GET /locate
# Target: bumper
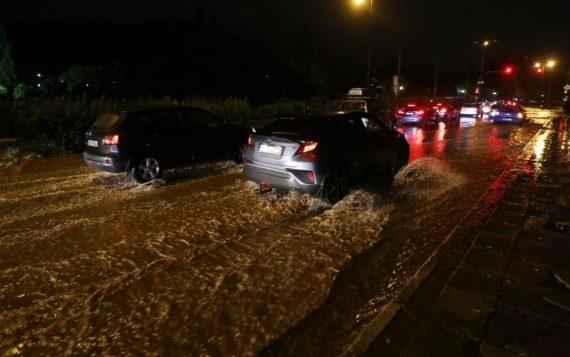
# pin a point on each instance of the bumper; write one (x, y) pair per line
(277, 178)
(411, 120)
(105, 163)
(498, 119)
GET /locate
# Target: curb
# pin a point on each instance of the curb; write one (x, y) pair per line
(374, 328)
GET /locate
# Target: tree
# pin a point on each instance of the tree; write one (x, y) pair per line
(7, 66)
(91, 79)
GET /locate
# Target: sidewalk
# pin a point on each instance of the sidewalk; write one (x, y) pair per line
(503, 286)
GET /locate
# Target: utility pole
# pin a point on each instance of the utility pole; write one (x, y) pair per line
(399, 69)
(370, 43)
(484, 44)
(436, 74)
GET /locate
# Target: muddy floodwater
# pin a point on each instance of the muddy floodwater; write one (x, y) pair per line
(202, 263)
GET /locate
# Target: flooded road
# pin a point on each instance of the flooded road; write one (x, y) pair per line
(202, 263)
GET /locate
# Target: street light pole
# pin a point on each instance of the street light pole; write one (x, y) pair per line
(484, 45)
(370, 43)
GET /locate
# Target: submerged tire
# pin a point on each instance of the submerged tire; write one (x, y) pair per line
(146, 168)
(335, 187)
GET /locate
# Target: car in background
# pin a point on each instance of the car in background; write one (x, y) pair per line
(367, 100)
(508, 113)
(417, 112)
(323, 154)
(445, 110)
(471, 110)
(486, 107)
(146, 142)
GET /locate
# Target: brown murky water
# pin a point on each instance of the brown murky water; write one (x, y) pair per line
(201, 262)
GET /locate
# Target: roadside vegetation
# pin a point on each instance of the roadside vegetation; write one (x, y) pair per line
(12, 155)
(58, 124)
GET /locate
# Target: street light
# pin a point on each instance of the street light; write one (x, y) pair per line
(541, 68)
(484, 44)
(551, 63)
(360, 4)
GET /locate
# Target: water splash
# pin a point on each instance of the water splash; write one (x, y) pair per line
(426, 178)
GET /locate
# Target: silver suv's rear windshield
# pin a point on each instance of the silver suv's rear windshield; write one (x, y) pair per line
(107, 121)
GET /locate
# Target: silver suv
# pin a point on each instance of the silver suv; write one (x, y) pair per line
(323, 154)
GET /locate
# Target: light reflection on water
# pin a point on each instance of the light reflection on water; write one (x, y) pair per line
(467, 122)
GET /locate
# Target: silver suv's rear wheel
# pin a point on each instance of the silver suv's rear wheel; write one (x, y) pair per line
(146, 169)
(335, 187)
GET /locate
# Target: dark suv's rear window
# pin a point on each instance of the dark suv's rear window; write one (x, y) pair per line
(107, 121)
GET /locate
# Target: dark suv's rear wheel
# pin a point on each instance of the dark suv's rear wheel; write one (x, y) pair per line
(146, 168)
(335, 187)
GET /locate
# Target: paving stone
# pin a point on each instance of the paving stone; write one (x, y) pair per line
(463, 311)
(556, 306)
(505, 326)
(514, 207)
(488, 350)
(395, 337)
(480, 283)
(485, 257)
(529, 271)
(496, 241)
(550, 346)
(562, 278)
(432, 340)
(502, 229)
(533, 300)
(504, 215)
(421, 303)
(533, 244)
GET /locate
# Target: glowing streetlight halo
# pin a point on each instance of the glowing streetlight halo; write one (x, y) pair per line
(551, 63)
(359, 3)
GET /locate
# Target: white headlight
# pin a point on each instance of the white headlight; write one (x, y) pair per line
(520, 115)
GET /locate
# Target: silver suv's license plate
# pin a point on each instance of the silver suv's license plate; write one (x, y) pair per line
(93, 143)
(270, 149)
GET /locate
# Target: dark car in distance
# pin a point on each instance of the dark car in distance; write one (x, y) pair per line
(146, 142)
(322, 154)
(445, 111)
(508, 113)
(417, 112)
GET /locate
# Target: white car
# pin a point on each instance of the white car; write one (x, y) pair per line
(470, 110)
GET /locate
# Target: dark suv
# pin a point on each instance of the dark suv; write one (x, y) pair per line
(146, 142)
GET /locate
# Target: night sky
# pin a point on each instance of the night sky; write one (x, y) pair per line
(524, 28)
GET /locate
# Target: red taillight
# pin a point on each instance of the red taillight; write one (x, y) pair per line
(311, 176)
(112, 139)
(250, 141)
(401, 111)
(443, 110)
(420, 112)
(307, 147)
